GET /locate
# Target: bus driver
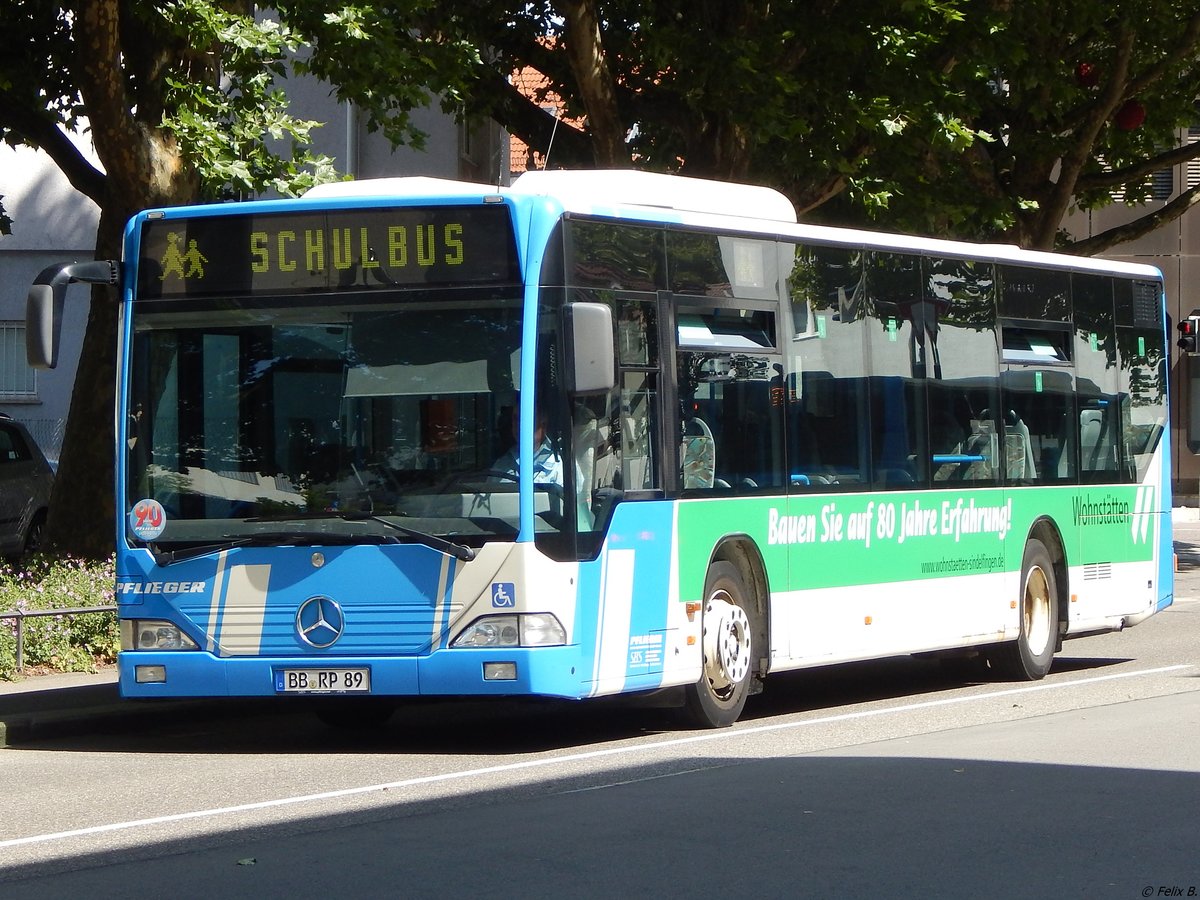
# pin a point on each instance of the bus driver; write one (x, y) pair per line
(547, 464)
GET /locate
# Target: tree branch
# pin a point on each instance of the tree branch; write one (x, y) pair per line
(1055, 203)
(1139, 227)
(1142, 169)
(814, 194)
(42, 132)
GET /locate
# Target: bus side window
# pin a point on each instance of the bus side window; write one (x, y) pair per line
(637, 426)
(1097, 376)
(1040, 407)
(963, 392)
(902, 340)
(826, 388)
(1142, 388)
(731, 421)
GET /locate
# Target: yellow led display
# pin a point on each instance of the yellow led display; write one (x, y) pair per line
(327, 250)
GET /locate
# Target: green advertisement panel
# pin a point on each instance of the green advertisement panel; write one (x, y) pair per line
(823, 541)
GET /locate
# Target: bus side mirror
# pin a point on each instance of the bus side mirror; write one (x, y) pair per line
(43, 324)
(593, 350)
(44, 306)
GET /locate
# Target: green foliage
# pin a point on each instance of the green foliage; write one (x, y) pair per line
(76, 643)
(205, 73)
(1046, 82)
(236, 128)
(961, 117)
(181, 100)
(795, 93)
(966, 118)
(392, 59)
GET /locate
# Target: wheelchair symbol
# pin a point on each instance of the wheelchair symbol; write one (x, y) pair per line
(504, 595)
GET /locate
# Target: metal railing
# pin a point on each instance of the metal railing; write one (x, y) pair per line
(22, 614)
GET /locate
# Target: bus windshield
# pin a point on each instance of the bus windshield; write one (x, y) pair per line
(269, 410)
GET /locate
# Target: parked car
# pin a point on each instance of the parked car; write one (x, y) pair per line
(26, 480)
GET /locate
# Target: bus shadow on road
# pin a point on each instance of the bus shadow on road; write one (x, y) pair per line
(501, 727)
(1085, 664)
(812, 690)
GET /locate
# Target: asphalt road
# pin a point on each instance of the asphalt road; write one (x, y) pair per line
(884, 779)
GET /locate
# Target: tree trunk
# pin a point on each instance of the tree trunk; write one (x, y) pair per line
(143, 167)
(80, 523)
(585, 49)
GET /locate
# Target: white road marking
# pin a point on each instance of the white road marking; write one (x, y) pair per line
(611, 784)
(574, 757)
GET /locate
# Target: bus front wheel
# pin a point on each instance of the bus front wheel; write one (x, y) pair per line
(717, 699)
(1028, 658)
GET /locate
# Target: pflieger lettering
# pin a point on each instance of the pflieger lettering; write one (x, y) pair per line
(161, 587)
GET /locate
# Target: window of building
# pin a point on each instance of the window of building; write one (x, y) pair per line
(17, 379)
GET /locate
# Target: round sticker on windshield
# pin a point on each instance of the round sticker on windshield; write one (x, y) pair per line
(147, 519)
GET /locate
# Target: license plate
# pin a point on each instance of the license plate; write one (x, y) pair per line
(323, 681)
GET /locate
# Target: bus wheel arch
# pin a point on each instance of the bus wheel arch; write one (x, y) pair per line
(733, 635)
(742, 552)
(1041, 607)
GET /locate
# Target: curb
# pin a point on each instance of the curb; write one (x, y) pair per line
(23, 728)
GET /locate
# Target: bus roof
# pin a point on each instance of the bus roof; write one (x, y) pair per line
(644, 196)
(584, 190)
(581, 189)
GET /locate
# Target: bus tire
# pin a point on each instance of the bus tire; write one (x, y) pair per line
(717, 699)
(1028, 658)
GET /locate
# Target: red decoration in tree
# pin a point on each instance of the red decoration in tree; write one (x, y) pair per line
(1130, 116)
(1087, 75)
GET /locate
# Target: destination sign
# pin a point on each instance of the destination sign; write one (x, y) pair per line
(328, 250)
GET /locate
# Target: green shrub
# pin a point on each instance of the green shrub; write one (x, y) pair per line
(61, 643)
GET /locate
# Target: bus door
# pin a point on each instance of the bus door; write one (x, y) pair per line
(728, 418)
(627, 616)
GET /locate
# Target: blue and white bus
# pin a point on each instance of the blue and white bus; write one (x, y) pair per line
(753, 445)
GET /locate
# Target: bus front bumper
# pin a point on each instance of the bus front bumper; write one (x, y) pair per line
(517, 671)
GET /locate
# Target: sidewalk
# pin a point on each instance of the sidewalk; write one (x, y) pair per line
(54, 705)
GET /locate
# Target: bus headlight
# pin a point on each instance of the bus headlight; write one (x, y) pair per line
(152, 634)
(525, 630)
(542, 630)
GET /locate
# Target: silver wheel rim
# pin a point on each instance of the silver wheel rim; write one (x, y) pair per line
(726, 644)
(1038, 626)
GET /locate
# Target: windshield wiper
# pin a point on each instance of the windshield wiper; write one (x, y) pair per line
(268, 538)
(458, 551)
(164, 558)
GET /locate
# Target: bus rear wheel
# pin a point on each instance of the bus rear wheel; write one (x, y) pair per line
(718, 698)
(1028, 658)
